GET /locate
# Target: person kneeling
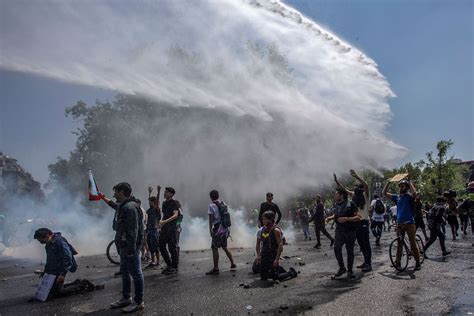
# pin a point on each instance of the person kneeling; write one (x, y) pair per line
(269, 248)
(59, 261)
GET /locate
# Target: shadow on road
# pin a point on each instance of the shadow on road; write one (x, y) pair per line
(405, 275)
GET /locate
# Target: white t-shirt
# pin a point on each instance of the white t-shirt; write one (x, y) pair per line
(213, 210)
(376, 217)
(393, 210)
(364, 212)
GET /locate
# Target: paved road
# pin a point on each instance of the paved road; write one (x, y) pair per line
(444, 285)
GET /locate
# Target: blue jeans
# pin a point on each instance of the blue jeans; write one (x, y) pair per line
(131, 269)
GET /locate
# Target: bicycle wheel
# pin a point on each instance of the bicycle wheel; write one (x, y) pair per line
(393, 254)
(112, 253)
(421, 246)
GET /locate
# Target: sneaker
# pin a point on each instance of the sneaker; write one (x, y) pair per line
(362, 266)
(317, 245)
(213, 272)
(367, 268)
(340, 272)
(165, 270)
(133, 308)
(151, 266)
(446, 253)
(350, 274)
(417, 266)
(233, 267)
(292, 273)
(123, 302)
(171, 271)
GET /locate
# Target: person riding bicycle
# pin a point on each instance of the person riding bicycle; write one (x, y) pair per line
(405, 218)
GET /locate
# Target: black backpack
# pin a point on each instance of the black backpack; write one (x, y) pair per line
(379, 207)
(224, 214)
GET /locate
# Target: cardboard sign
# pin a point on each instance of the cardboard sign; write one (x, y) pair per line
(45, 286)
(399, 177)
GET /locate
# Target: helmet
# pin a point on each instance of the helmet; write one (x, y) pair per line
(405, 182)
(470, 187)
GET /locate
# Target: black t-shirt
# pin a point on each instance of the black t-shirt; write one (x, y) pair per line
(167, 209)
(318, 215)
(345, 209)
(153, 218)
(418, 209)
(265, 206)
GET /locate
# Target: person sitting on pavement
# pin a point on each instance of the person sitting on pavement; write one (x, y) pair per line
(218, 232)
(269, 248)
(59, 261)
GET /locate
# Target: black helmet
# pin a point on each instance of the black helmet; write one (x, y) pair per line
(405, 182)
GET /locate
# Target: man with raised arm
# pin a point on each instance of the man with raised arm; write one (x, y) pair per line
(405, 217)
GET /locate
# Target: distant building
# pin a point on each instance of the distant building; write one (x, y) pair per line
(15, 181)
(470, 164)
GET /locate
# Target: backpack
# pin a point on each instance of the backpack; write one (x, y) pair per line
(379, 207)
(224, 214)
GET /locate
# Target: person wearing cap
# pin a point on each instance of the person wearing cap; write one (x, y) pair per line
(405, 217)
(435, 220)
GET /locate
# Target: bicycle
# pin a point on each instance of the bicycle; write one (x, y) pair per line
(406, 252)
(112, 253)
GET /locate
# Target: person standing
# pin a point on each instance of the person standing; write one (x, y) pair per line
(304, 218)
(452, 217)
(130, 239)
(346, 217)
(405, 219)
(435, 221)
(320, 223)
(360, 196)
(377, 211)
(152, 225)
(168, 233)
(218, 232)
(419, 222)
(268, 205)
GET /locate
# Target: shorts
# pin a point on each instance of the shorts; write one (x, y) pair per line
(219, 241)
(152, 237)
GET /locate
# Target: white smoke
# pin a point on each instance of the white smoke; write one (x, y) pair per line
(287, 122)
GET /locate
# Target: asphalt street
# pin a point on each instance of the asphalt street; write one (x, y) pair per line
(444, 285)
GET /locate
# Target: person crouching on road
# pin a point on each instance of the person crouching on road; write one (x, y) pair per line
(130, 237)
(269, 248)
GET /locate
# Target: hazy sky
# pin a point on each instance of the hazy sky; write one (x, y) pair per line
(424, 48)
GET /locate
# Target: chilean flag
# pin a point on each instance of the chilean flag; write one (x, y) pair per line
(94, 194)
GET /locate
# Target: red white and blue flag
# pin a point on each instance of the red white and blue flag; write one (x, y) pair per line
(94, 193)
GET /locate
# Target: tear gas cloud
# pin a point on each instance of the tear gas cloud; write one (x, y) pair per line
(293, 101)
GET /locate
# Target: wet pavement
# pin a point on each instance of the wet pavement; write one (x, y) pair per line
(444, 285)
